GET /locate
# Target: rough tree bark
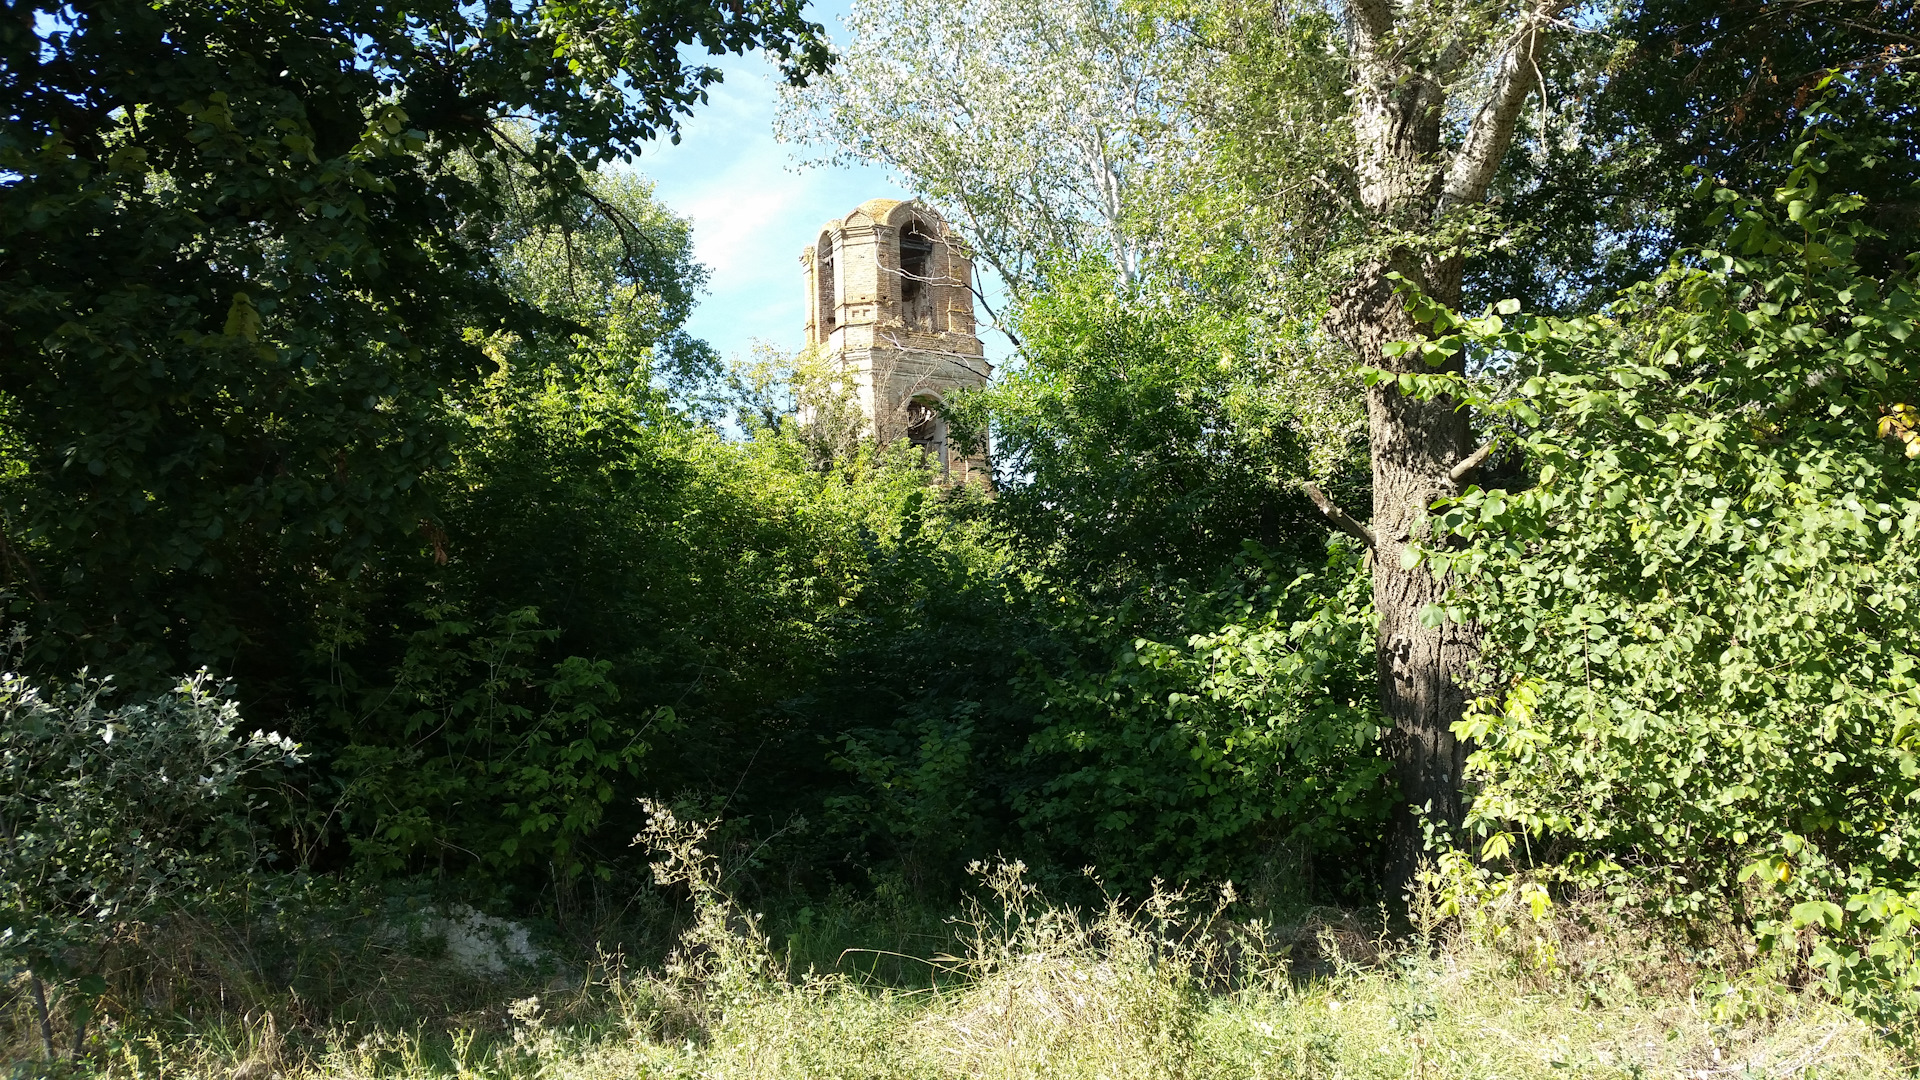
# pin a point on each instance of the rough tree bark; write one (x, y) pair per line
(1410, 183)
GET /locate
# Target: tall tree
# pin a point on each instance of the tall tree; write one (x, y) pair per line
(240, 247)
(1371, 136)
(1040, 130)
(1417, 187)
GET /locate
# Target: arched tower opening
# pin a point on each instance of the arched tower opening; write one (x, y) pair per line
(927, 430)
(917, 278)
(826, 288)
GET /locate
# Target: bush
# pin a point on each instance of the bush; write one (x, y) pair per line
(1702, 684)
(1192, 752)
(108, 815)
(1183, 733)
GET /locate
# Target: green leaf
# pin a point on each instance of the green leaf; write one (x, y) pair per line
(243, 319)
(1823, 913)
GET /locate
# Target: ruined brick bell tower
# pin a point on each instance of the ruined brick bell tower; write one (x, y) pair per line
(890, 305)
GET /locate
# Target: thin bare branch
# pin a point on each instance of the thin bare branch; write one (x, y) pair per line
(994, 317)
(1336, 515)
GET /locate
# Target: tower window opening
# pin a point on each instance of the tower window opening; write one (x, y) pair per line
(926, 430)
(828, 295)
(916, 286)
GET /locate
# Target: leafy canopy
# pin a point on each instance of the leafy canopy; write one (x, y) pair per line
(239, 245)
(1041, 131)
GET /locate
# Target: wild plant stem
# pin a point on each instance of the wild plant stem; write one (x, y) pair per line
(46, 1017)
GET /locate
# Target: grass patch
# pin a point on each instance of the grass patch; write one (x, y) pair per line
(1167, 988)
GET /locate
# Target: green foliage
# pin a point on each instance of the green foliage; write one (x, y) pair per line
(456, 726)
(241, 244)
(333, 376)
(615, 268)
(1131, 655)
(1277, 185)
(918, 705)
(1144, 437)
(538, 755)
(623, 598)
(110, 814)
(1596, 184)
(1703, 690)
(1191, 756)
(1177, 733)
(335, 364)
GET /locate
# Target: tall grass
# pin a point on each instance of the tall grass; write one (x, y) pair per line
(1167, 988)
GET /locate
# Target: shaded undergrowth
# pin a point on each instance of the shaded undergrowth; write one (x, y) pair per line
(1173, 986)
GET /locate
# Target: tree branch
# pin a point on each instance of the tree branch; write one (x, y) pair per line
(1336, 515)
(973, 286)
(1471, 461)
(1492, 129)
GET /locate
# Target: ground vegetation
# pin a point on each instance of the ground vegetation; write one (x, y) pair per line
(1441, 608)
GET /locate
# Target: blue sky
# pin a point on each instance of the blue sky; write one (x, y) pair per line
(753, 207)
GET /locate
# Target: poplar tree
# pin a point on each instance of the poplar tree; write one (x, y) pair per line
(1415, 187)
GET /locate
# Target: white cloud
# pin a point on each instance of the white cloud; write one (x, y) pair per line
(752, 209)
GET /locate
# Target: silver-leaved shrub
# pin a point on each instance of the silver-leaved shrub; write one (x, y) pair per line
(111, 813)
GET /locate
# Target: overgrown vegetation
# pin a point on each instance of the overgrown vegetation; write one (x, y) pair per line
(346, 374)
(1695, 604)
(1165, 987)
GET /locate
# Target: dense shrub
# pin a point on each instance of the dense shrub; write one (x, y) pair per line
(1201, 751)
(1182, 733)
(1138, 654)
(1702, 688)
(625, 602)
(112, 814)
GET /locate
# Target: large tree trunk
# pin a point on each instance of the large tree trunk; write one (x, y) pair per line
(1415, 445)
(1407, 184)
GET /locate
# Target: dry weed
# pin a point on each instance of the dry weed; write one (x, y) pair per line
(1162, 989)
